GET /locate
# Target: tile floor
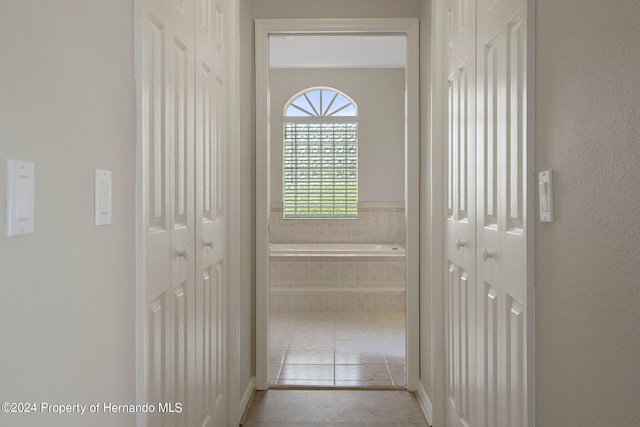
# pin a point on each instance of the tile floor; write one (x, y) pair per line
(334, 408)
(338, 350)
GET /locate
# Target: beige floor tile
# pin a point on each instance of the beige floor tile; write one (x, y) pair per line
(306, 372)
(398, 374)
(370, 346)
(309, 341)
(274, 372)
(311, 344)
(362, 373)
(298, 357)
(359, 358)
(353, 334)
(339, 408)
(276, 357)
(364, 384)
(305, 383)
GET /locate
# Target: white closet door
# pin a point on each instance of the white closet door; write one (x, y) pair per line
(460, 286)
(168, 146)
(211, 242)
(501, 219)
(486, 287)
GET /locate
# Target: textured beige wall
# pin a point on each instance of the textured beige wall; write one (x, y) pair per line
(588, 261)
(67, 304)
(378, 94)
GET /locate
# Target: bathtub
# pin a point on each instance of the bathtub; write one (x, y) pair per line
(336, 249)
(320, 277)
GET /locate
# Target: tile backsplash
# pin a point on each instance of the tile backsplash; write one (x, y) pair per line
(337, 284)
(377, 222)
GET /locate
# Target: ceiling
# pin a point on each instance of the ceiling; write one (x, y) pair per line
(337, 51)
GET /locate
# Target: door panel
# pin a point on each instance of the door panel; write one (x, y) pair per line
(159, 218)
(183, 99)
(211, 139)
(158, 348)
(486, 214)
(501, 256)
(461, 259)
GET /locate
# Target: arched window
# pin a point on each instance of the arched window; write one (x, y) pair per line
(320, 163)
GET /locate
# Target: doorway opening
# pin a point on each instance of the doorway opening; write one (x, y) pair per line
(337, 233)
(337, 188)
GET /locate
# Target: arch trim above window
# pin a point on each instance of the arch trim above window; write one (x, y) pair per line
(321, 104)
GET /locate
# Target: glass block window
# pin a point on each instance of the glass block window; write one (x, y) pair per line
(320, 163)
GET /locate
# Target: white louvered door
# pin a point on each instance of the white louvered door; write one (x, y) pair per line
(486, 287)
(502, 213)
(183, 137)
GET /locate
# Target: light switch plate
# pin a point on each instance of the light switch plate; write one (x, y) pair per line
(545, 191)
(20, 197)
(102, 197)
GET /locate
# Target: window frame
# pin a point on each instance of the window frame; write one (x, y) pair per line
(318, 115)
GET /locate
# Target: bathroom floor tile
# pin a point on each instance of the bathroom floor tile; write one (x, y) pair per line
(277, 357)
(299, 357)
(364, 384)
(274, 372)
(398, 374)
(307, 383)
(362, 373)
(359, 358)
(306, 372)
(311, 344)
(337, 350)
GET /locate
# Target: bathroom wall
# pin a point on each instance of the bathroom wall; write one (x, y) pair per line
(380, 99)
(377, 222)
(287, 9)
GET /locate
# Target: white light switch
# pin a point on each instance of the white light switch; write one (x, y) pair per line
(20, 197)
(103, 197)
(545, 190)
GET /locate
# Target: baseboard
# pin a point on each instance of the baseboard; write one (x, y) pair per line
(425, 403)
(247, 397)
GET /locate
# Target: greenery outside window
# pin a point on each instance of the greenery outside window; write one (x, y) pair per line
(320, 155)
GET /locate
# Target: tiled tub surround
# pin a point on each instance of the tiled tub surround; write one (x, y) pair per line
(337, 284)
(330, 284)
(377, 222)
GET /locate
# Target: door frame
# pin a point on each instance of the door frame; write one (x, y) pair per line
(410, 29)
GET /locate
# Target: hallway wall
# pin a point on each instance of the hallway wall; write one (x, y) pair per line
(587, 262)
(67, 305)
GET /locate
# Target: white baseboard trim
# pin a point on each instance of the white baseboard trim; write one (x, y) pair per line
(425, 403)
(247, 397)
